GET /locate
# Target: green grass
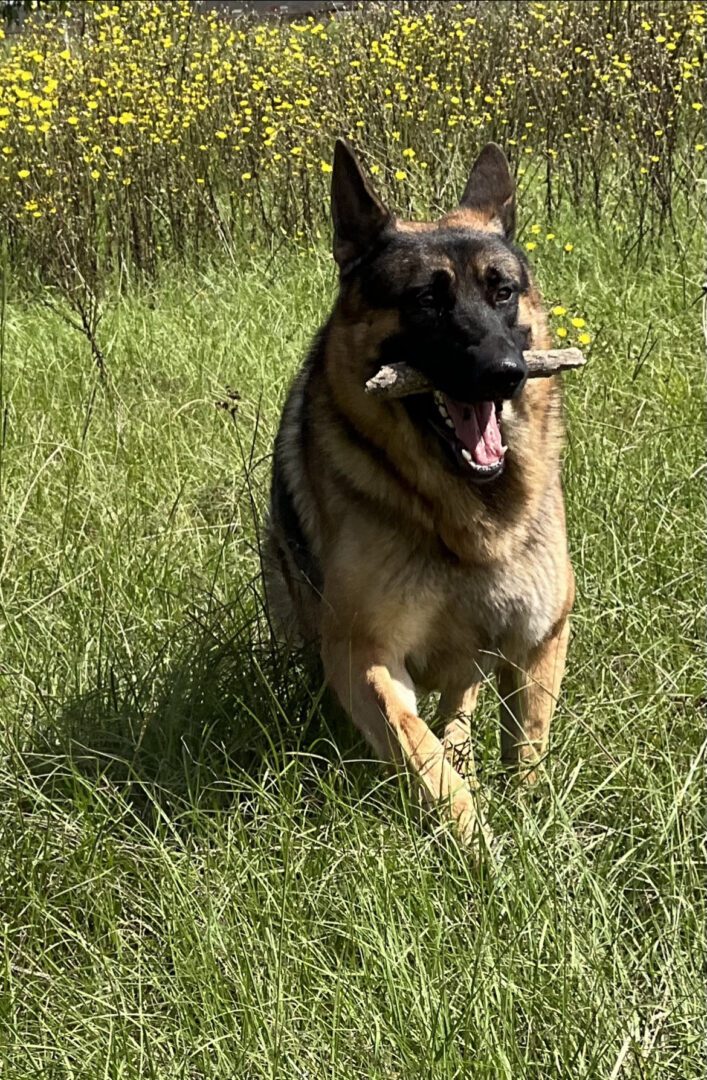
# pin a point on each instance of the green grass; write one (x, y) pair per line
(200, 874)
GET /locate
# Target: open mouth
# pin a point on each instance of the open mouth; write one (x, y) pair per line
(473, 432)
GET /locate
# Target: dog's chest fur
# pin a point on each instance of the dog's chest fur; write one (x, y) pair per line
(452, 622)
(482, 615)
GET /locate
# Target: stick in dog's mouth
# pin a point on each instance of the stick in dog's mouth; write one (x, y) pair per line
(401, 380)
(472, 430)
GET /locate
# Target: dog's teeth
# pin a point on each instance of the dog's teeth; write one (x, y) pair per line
(438, 397)
(442, 410)
(466, 455)
(449, 423)
(503, 449)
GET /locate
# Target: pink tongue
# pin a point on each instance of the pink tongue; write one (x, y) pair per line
(477, 429)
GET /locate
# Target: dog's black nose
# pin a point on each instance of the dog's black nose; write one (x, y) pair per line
(510, 377)
(499, 370)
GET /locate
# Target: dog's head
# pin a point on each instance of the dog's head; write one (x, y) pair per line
(459, 289)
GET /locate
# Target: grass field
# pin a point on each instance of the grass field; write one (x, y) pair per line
(201, 874)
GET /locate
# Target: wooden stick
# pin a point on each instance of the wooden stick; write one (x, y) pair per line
(401, 380)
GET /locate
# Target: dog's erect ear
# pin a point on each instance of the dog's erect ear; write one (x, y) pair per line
(357, 212)
(490, 189)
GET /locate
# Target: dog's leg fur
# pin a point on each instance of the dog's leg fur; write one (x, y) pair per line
(528, 699)
(457, 709)
(379, 695)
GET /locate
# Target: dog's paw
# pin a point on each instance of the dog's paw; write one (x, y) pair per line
(468, 816)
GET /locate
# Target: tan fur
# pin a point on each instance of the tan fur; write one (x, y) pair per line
(428, 582)
(472, 219)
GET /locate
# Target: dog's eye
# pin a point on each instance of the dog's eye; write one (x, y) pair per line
(503, 294)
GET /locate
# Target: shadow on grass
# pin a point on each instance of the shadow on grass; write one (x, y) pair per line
(233, 708)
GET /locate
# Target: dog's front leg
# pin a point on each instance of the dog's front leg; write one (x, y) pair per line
(377, 692)
(528, 699)
(457, 708)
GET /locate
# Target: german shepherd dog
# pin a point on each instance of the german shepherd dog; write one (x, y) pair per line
(421, 542)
